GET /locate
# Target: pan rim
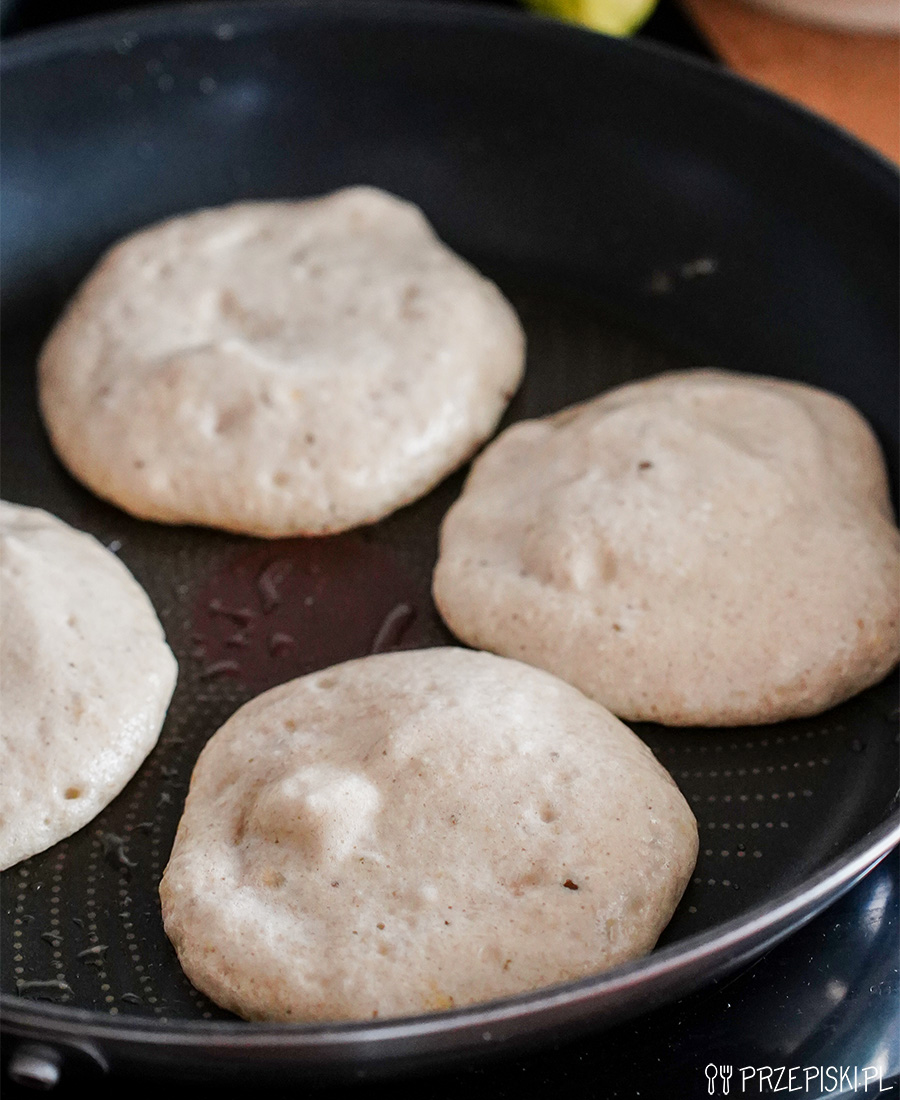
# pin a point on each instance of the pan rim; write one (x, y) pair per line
(764, 926)
(690, 959)
(44, 44)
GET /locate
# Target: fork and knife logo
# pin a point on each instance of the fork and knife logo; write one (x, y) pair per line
(713, 1071)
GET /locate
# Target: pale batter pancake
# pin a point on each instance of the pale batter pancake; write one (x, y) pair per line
(416, 831)
(86, 679)
(279, 368)
(701, 548)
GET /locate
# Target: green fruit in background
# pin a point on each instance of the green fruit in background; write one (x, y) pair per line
(619, 17)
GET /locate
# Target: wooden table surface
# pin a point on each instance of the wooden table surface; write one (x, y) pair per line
(852, 79)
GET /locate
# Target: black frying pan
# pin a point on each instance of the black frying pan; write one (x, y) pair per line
(643, 212)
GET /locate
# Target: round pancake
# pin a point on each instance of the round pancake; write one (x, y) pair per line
(279, 368)
(700, 548)
(87, 677)
(415, 831)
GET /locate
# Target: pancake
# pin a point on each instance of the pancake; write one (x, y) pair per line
(415, 831)
(702, 548)
(278, 368)
(86, 679)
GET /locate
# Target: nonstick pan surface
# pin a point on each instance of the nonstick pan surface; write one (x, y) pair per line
(643, 212)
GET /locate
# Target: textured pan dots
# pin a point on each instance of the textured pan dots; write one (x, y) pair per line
(770, 791)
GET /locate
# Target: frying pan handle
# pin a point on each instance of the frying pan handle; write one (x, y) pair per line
(35, 1065)
(40, 1066)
